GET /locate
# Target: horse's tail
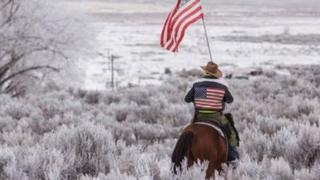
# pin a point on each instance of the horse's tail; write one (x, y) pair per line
(183, 147)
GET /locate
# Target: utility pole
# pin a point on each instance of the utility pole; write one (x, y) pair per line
(112, 58)
(112, 73)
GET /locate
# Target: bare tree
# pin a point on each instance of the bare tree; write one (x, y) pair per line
(33, 41)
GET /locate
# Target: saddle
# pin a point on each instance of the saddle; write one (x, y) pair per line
(212, 124)
(223, 131)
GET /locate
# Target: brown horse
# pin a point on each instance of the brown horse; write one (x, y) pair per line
(200, 142)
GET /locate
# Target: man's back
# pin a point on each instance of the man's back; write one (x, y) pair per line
(209, 94)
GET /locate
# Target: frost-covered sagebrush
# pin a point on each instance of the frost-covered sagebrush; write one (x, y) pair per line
(130, 133)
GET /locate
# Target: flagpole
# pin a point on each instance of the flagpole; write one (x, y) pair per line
(206, 34)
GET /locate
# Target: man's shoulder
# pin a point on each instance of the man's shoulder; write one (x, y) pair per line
(209, 81)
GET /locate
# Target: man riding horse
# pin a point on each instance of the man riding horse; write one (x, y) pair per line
(209, 95)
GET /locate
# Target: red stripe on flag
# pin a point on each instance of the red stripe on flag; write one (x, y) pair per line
(176, 26)
(166, 28)
(210, 107)
(215, 98)
(209, 104)
(165, 31)
(216, 90)
(209, 100)
(178, 20)
(185, 9)
(215, 94)
(184, 30)
(189, 21)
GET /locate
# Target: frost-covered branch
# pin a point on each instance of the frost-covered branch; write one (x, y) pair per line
(21, 72)
(33, 35)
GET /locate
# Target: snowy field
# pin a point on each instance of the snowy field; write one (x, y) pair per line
(240, 37)
(68, 134)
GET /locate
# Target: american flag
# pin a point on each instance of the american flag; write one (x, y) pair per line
(179, 19)
(209, 98)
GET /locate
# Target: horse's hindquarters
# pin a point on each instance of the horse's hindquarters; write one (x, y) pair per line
(207, 145)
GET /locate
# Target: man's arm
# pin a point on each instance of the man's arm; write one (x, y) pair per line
(228, 98)
(190, 95)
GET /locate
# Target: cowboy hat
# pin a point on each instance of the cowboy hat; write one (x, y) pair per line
(212, 69)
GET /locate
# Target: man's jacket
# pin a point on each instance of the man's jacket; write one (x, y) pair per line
(209, 94)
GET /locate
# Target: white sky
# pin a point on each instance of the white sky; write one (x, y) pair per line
(280, 3)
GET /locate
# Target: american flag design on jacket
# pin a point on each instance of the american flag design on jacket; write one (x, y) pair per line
(209, 98)
(209, 94)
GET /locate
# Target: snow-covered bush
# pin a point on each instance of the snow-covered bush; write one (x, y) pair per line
(130, 133)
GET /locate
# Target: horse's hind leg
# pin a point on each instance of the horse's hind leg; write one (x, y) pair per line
(210, 171)
(190, 162)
